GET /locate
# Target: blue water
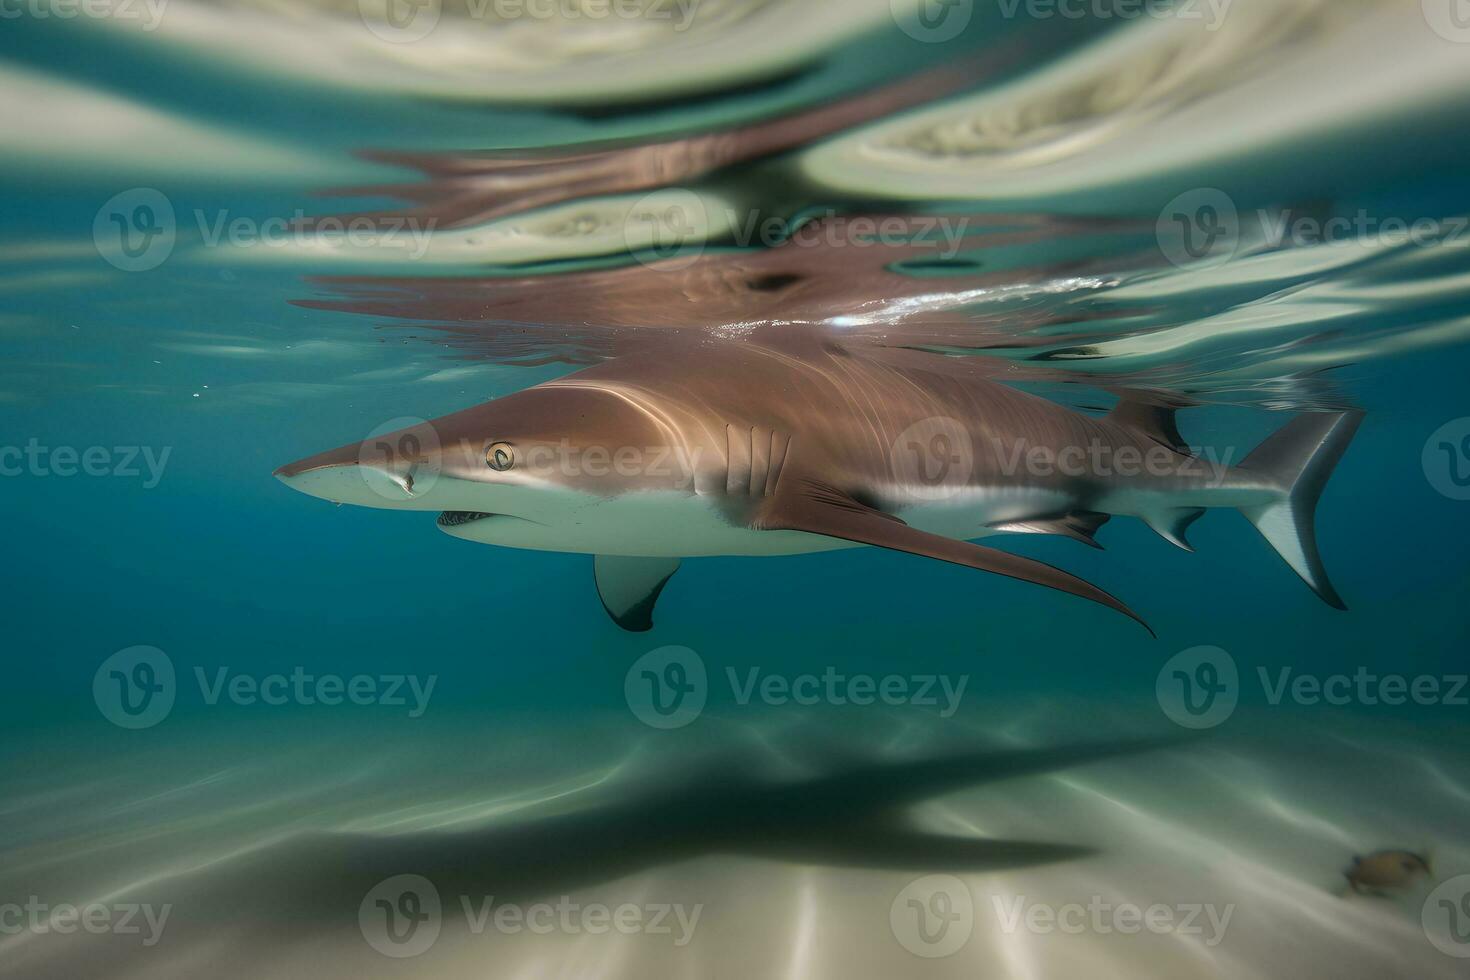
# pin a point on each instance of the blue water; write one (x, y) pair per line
(209, 359)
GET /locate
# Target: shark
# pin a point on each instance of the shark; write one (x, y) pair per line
(792, 442)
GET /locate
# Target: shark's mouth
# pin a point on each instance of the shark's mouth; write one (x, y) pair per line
(458, 518)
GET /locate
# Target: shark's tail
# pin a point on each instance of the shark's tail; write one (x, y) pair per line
(1299, 458)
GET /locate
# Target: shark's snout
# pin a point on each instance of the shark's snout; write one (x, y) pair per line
(341, 456)
(348, 475)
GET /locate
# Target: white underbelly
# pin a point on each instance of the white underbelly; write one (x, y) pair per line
(971, 513)
(689, 526)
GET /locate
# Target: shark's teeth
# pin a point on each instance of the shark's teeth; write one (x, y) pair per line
(454, 518)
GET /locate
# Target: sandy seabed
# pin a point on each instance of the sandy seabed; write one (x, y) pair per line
(552, 848)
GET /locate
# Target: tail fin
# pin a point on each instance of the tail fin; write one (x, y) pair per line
(1299, 458)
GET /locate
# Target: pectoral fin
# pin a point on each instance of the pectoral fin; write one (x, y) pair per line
(820, 509)
(629, 588)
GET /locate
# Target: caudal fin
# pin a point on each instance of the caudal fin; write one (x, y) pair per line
(1299, 458)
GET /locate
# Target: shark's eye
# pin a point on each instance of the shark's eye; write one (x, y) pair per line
(500, 456)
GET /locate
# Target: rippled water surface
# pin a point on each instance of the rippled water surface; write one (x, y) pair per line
(238, 233)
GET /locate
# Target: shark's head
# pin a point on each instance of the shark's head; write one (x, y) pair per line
(507, 471)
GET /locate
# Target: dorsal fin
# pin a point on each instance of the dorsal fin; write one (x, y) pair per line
(1151, 414)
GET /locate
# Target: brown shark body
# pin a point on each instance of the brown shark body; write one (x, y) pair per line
(799, 444)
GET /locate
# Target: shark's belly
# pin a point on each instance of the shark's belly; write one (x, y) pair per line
(970, 512)
(647, 525)
(688, 526)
